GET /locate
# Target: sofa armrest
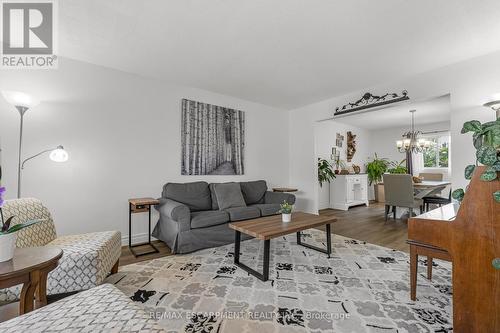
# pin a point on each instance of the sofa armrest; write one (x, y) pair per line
(278, 198)
(175, 211)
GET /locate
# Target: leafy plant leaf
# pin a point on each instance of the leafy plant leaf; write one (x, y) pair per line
(491, 132)
(487, 155)
(489, 174)
(7, 223)
(20, 226)
(458, 194)
(469, 170)
(496, 166)
(472, 126)
(496, 195)
(477, 140)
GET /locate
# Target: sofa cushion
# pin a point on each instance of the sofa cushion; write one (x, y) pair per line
(215, 204)
(268, 209)
(208, 218)
(195, 195)
(254, 191)
(243, 213)
(229, 195)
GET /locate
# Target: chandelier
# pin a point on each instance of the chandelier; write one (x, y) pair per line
(412, 143)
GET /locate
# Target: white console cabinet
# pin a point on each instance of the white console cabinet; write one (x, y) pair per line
(349, 190)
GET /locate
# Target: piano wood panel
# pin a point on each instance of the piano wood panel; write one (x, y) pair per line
(473, 241)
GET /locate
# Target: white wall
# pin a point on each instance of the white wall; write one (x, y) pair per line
(469, 84)
(123, 136)
(325, 136)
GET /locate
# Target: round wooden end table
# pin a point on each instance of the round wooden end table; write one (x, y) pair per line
(30, 267)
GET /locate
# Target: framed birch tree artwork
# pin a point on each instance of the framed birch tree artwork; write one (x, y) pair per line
(213, 139)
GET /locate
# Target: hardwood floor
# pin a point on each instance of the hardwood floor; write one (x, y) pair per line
(361, 223)
(127, 257)
(368, 224)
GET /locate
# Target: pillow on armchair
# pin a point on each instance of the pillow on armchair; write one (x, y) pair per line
(229, 195)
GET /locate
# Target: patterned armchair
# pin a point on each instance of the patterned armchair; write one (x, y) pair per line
(87, 258)
(103, 309)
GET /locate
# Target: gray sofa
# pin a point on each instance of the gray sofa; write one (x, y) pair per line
(190, 218)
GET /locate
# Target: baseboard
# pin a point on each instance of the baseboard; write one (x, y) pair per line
(138, 238)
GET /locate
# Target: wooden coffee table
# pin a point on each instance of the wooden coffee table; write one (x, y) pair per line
(267, 228)
(30, 267)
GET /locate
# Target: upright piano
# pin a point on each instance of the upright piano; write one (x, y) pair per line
(469, 234)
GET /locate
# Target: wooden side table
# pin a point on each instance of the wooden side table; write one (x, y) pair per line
(140, 205)
(30, 266)
(284, 189)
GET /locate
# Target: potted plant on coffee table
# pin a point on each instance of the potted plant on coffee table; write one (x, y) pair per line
(375, 170)
(286, 211)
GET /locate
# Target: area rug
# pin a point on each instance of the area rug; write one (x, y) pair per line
(361, 288)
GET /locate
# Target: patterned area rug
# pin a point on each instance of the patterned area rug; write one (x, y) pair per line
(361, 288)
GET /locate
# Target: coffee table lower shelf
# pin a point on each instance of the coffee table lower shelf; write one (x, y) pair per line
(264, 276)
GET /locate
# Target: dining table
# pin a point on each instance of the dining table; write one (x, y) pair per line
(428, 187)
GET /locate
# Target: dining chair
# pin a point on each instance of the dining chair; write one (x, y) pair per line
(436, 200)
(431, 176)
(433, 197)
(399, 192)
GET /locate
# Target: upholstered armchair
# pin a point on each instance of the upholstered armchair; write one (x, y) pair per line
(87, 258)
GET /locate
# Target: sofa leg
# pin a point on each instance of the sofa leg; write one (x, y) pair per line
(114, 269)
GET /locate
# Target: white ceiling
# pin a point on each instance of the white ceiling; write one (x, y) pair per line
(284, 53)
(431, 111)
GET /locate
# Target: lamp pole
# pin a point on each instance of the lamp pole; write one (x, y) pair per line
(22, 110)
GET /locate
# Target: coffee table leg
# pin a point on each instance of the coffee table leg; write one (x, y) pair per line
(267, 249)
(264, 276)
(328, 242)
(237, 241)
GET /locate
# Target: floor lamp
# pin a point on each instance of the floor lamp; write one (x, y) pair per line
(23, 102)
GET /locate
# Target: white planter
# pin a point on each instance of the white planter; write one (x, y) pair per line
(286, 217)
(7, 246)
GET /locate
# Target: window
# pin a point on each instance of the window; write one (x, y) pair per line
(437, 156)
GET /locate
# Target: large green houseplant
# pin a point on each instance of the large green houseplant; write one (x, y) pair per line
(375, 170)
(325, 171)
(486, 140)
(396, 167)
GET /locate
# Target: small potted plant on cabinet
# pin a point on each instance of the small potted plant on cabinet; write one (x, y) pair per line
(375, 170)
(286, 211)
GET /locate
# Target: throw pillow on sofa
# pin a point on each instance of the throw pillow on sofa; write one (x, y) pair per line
(229, 195)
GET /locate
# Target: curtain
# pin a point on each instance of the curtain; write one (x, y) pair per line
(418, 162)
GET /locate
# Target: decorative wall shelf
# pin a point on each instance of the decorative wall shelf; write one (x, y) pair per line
(370, 101)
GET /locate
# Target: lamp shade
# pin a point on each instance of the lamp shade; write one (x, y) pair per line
(20, 99)
(59, 154)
